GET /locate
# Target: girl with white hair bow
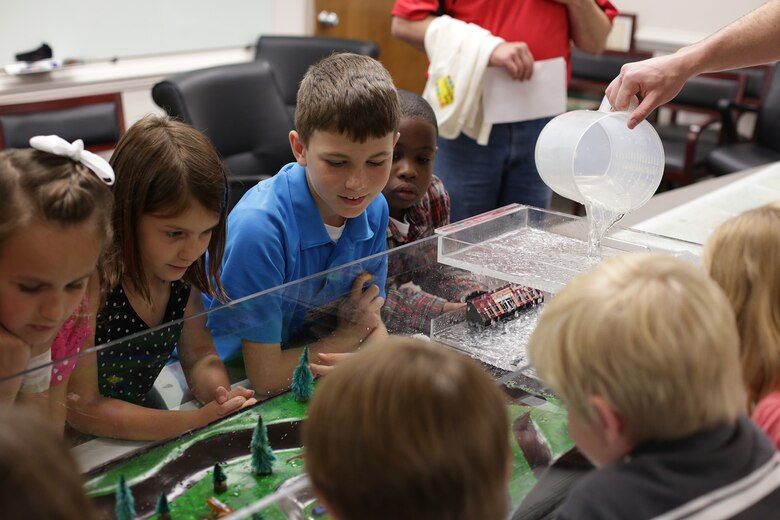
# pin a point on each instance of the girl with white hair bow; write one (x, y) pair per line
(55, 209)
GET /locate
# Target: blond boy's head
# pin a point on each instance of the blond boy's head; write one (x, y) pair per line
(409, 429)
(650, 339)
(742, 255)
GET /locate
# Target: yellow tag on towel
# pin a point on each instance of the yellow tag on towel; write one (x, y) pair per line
(445, 91)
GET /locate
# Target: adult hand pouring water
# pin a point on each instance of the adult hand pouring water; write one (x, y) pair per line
(751, 40)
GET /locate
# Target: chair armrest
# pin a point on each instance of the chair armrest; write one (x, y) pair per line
(692, 138)
(697, 128)
(729, 113)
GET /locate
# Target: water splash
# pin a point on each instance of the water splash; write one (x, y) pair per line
(605, 203)
(502, 344)
(600, 219)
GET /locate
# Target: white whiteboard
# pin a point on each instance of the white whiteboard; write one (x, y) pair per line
(100, 29)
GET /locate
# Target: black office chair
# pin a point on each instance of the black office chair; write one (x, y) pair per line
(735, 155)
(686, 146)
(291, 56)
(96, 120)
(591, 74)
(239, 108)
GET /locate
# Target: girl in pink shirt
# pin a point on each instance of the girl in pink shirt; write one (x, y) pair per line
(743, 255)
(55, 209)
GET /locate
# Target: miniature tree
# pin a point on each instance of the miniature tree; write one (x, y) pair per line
(162, 510)
(219, 479)
(125, 505)
(262, 456)
(303, 381)
(257, 516)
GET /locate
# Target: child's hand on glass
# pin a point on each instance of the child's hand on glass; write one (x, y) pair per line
(327, 362)
(452, 306)
(359, 313)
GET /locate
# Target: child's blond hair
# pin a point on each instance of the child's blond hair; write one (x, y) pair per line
(743, 256)
(653, 336)
(40, 476)
(409, 429)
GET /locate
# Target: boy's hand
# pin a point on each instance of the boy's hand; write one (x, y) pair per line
(360, 311)
(452, 306)
(327, 362)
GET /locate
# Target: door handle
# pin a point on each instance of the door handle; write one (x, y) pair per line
(328, 19)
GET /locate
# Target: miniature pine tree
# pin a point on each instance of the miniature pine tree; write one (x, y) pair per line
(162, 510)
(125, 505)
(303, 381)
(219, 479)
(257, 516)
(262, 456)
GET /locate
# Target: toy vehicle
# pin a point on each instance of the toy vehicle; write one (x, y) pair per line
(502, 303)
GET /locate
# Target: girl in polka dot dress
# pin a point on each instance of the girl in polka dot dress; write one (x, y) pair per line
(55, 212)
(170, 208)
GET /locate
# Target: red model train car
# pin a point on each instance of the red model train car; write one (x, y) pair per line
(501, 303)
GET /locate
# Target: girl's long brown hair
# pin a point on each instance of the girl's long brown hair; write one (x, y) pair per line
(162, 166)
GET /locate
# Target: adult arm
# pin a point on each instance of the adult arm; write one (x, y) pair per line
(751, 40)
(589, 25)
(515, 57)
(411, 31)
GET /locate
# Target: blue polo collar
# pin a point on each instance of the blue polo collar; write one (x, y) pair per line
(310, 225)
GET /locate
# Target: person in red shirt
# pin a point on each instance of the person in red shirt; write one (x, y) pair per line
(481, 178)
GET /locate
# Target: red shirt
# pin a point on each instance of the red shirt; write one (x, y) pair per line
(542, 24)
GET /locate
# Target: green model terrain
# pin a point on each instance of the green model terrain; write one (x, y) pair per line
(188, 498)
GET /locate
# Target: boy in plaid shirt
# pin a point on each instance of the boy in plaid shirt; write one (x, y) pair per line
(418, 288)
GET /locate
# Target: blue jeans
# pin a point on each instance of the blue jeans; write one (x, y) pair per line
(482, 178)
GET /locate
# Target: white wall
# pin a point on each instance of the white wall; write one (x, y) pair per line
(665, 25)
(103, 29)
(134, 76)
(293, 17)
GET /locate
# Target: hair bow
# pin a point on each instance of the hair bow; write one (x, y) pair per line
(75, 150)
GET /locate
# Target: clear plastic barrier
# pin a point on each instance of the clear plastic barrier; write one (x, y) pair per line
(538, 248)
(445, 286)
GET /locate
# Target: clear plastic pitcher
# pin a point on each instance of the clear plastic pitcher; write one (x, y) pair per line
(593, 158)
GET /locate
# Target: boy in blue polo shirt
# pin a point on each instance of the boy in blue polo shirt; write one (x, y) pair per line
(322, 211)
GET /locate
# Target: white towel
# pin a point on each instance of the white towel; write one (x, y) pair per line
(459, 53)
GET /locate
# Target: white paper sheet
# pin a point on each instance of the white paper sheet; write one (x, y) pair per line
(695, 220)
(505, 100)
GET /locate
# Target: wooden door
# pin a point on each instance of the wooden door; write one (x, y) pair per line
(370, 20)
